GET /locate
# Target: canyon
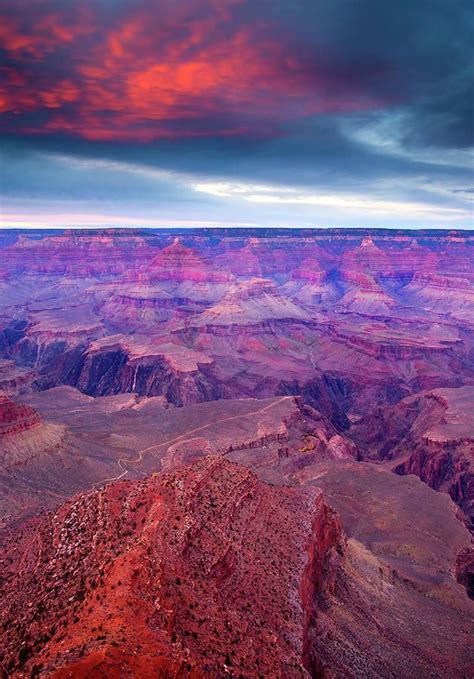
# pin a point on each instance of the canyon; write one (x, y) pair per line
(237, 452)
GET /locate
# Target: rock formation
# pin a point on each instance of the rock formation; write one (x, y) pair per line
(244, 453)
(208, 571)
(429, 434)
(171, 586)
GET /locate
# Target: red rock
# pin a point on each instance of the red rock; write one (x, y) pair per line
(179, 263)
(208, 571)
(171, 585)
(15, 418)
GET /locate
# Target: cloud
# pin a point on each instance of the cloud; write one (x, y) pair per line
(158, 70)
(401, 134)
(342, 202)
(359, 108)
(58, 190)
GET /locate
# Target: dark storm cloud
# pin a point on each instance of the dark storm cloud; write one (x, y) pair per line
(366, 96)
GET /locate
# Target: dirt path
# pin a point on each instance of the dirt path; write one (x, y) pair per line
(157, 446)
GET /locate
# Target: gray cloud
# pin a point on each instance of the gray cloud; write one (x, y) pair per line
(410, 61)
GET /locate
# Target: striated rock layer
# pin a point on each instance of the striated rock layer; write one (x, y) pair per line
(208, 571)
(314, 359)
(384, 315)
(429, 434)
(15, 418)
(203, 572)
(23, 435)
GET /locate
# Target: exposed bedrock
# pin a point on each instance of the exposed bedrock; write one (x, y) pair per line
(182, 375)
(202, 572)
(111, 372)
(445, 466)
(208, 571)
(428, 434)
(16, 418)
(329, 395)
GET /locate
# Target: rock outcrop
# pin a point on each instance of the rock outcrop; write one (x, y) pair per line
(172, 586)
(397, 608)
(78, 254)
(23, 434)
(208, 571)
(429, 434)
(254, 302)
(209, 384)
(389, 314)
(16, 418)
(119, 364)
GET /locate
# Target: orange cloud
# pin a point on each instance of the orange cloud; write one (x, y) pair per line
(46, 34)
(148, 76)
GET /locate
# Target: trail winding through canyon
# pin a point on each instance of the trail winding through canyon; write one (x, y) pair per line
(169, 442)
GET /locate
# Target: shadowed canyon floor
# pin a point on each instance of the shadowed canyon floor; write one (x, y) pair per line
(237, 454)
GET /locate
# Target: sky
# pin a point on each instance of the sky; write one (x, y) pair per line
(236, 112)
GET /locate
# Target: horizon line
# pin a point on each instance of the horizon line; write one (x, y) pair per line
(446, 229)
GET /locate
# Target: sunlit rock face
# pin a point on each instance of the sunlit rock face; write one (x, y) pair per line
(208, 568)
(268, 433)
(187, 589)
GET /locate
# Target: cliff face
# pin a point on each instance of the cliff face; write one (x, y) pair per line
(207, 571)
(445, 466)
(120, 364)
(77, 254)
(430, 435)
(15, 418)
(384, 315)
(112, 371)
(392, 606)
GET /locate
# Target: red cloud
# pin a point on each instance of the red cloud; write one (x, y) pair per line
(48, 32)
(148, 75)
